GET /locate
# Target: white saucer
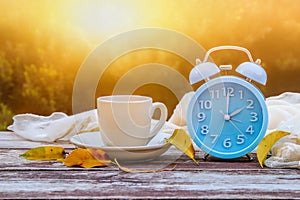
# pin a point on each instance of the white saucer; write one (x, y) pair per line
(153, 149)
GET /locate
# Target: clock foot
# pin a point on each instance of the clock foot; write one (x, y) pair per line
(249, 157)
(205, 156)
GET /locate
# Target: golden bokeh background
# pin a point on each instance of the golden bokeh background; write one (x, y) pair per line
(43, 44)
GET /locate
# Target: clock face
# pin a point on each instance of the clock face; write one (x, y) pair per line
(227, 117)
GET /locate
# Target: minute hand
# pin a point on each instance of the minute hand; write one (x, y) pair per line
(237, 111)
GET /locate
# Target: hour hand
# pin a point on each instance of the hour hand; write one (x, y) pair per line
(228, 117)
(237, 111)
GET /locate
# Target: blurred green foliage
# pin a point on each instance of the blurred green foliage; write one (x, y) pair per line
(5, 116)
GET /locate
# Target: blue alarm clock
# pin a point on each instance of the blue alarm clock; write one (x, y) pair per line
(227, 116)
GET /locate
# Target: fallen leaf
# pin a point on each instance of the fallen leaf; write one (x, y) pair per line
(125, 169)
(266, 144)
(86, 158)
(181, 140)
(44, 153)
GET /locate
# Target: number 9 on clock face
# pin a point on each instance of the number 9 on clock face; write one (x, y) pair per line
(227, 117)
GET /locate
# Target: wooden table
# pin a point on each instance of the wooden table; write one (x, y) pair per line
(21, 178)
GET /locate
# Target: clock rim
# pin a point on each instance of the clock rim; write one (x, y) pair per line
(256, 92)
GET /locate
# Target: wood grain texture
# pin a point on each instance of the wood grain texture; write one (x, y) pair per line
(233, 179)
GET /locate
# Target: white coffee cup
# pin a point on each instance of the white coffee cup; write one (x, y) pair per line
(125, 120)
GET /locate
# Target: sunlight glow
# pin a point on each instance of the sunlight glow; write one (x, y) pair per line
(101, 18)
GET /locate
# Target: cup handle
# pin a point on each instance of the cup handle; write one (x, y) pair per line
(163, 117)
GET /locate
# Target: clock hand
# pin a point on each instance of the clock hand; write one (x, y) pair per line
(227, 104)
(221, 112)
(233, 119)
(227, 117)
(237, 128)
(237, 111)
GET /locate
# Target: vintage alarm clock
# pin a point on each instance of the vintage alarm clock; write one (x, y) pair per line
(228, 116)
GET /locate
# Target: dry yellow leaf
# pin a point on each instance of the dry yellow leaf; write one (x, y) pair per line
(44, 153)
(267, 143)
(181, 140)
(86, 158)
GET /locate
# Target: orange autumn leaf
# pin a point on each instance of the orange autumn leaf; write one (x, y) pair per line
(86, 158)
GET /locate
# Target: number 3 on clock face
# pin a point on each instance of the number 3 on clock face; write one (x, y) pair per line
(227, 117)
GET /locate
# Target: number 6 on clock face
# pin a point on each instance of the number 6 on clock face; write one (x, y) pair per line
(227, 117)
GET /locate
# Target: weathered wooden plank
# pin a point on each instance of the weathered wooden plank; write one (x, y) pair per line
(179, 184)
(9, 140)
(21, 178)
(10, 159)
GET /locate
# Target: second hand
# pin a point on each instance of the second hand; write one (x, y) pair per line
(237, 128)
